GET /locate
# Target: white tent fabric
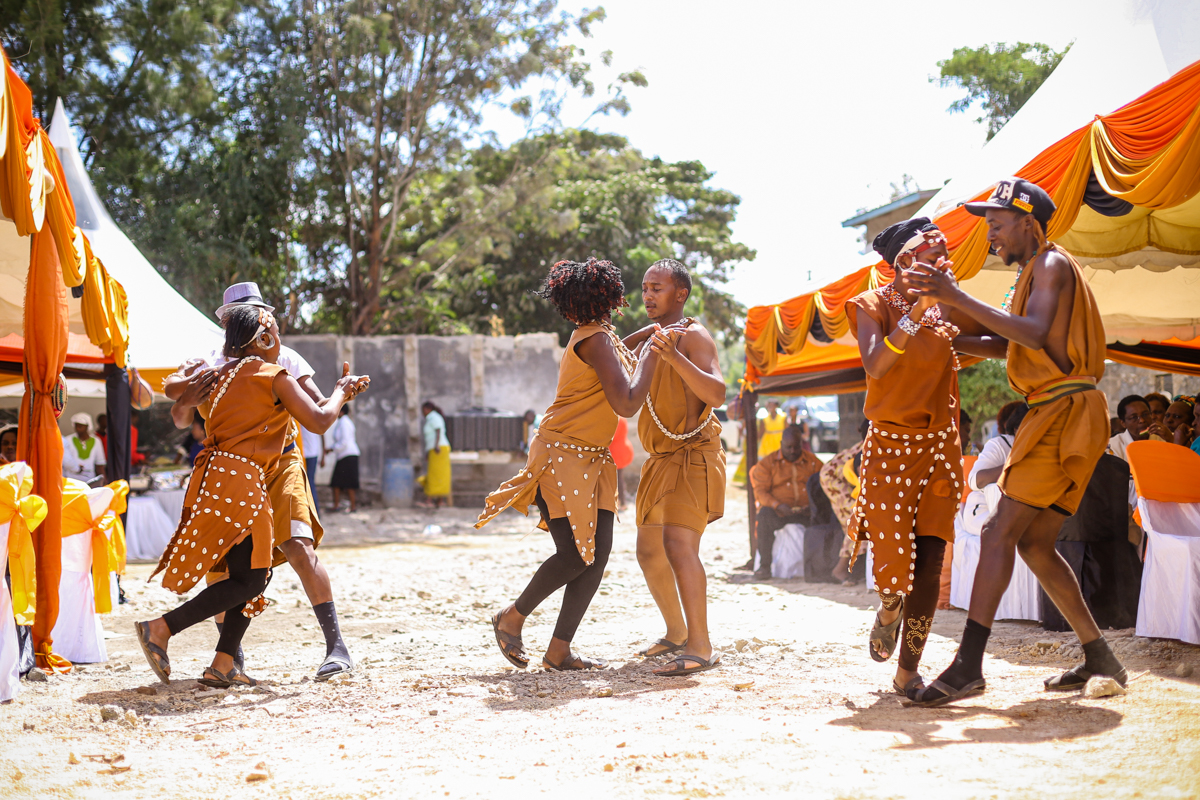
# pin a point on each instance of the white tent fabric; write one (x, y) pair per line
(164, 329)
(1145, 294)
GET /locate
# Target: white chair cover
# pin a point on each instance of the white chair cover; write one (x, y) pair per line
(1169, 606)
(1020, 600)
(78, 635)
(10, 650)
(787, 556)
(148, 529)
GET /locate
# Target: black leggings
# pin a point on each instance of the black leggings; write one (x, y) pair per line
(566, 568)
(242, 586)
(921, 603)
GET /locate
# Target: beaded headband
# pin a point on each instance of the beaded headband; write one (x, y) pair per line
(265, 320)
(925, 240)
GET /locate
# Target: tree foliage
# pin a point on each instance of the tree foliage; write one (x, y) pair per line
(335, 152)
(983, 389)
(1001, 76)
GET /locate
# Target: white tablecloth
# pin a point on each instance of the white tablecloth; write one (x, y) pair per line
(147, 528)
(1169, 606)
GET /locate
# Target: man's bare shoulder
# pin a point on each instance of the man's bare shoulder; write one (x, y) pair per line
(1051, 264)
(696, 334)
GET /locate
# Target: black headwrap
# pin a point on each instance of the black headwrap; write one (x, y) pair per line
(891, 241)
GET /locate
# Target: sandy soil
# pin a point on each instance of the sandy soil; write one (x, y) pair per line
(434, 711)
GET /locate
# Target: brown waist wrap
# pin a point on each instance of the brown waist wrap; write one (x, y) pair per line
(664, 474)
(910, 485)
(577, 481)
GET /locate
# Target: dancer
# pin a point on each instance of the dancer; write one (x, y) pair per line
(570, 473)
(226, 524)
(911, 476)
(1051, 332)
(682, 488)
(297, 526)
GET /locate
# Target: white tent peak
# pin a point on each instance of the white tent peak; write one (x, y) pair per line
(164, 328)
(1131, 51)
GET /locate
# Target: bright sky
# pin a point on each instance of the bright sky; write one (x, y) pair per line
(808, 111)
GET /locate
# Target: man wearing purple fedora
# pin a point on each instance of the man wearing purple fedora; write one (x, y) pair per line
(297, 527)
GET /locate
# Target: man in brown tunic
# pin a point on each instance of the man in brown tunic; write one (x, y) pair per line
(683, 481)
(1052, 336)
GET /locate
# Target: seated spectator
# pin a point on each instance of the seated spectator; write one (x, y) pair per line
(8, 444)
(840, 491)
(995, 452)
(780, 489)
(193, 443)
(83, 455)
(1179, 420)
(964, 433)
(1134, 411)
(1158, 404)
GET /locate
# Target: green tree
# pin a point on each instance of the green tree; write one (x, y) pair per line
(133, 73)
(983, 389)
(570, 195)
(1002, 76)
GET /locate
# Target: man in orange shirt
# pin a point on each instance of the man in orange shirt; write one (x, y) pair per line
(780, 484)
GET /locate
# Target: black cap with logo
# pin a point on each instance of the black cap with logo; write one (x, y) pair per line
(1017, 194)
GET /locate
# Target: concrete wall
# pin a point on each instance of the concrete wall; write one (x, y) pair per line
(508, 373)
(1120, 380)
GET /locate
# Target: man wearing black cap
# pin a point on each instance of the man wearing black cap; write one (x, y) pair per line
(1050, 332)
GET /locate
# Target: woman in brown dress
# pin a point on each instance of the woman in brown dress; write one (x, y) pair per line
(911, 476)
(570, 474)
(226, 524)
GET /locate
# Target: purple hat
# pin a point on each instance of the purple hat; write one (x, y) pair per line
(242, 294)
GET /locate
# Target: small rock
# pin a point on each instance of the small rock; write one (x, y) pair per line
(109, 713)
(147, 690)
(121, 668)
(36, 676)
(199, 737)
(131, 719)
(1184, 670)
(740, 645)
(424, 595)
(27, 726)
(256, 776)
(1102, 686)
(741, 687)
(606, 692)
(433, 713)
(608, 767)
(544, 693)
(368, 636)
(1044, 645)
(72, 759)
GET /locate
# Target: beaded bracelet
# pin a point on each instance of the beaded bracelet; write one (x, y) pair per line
(908, 326)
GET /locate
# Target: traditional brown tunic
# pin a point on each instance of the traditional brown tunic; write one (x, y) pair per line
(683, 480)
(569, 458)
(911, 476)
(1066, 430)
(291, 496)
(226, 498)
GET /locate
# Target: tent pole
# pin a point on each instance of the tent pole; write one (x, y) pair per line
(750, 419)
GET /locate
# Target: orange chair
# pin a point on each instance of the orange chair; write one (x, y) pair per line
(1167, 479)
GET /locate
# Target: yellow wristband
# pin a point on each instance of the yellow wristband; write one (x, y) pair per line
(892, 347)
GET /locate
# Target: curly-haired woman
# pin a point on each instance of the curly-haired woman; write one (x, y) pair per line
(570, 473)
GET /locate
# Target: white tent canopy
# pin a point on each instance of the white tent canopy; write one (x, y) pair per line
(1145, 294)
(164, 328)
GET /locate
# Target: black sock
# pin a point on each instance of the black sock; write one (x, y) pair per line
(240, 658)
(1099, 659)
(327, 616)
(968, 663)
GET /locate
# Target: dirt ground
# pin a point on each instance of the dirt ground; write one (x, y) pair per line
(798, 709)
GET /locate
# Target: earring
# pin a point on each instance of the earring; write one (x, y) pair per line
(266, 341)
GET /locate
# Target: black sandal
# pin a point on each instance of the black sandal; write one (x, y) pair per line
(343, 666)
(670, 646)
(223, 680)
(923, 698)
(511, 647)
(155, 655)
(884, 635)
(1077, 677)
(681, 668)
(910, 689)
(575, 663)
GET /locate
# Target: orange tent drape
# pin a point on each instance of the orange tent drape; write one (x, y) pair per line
(1146, 153)
(39, 439)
